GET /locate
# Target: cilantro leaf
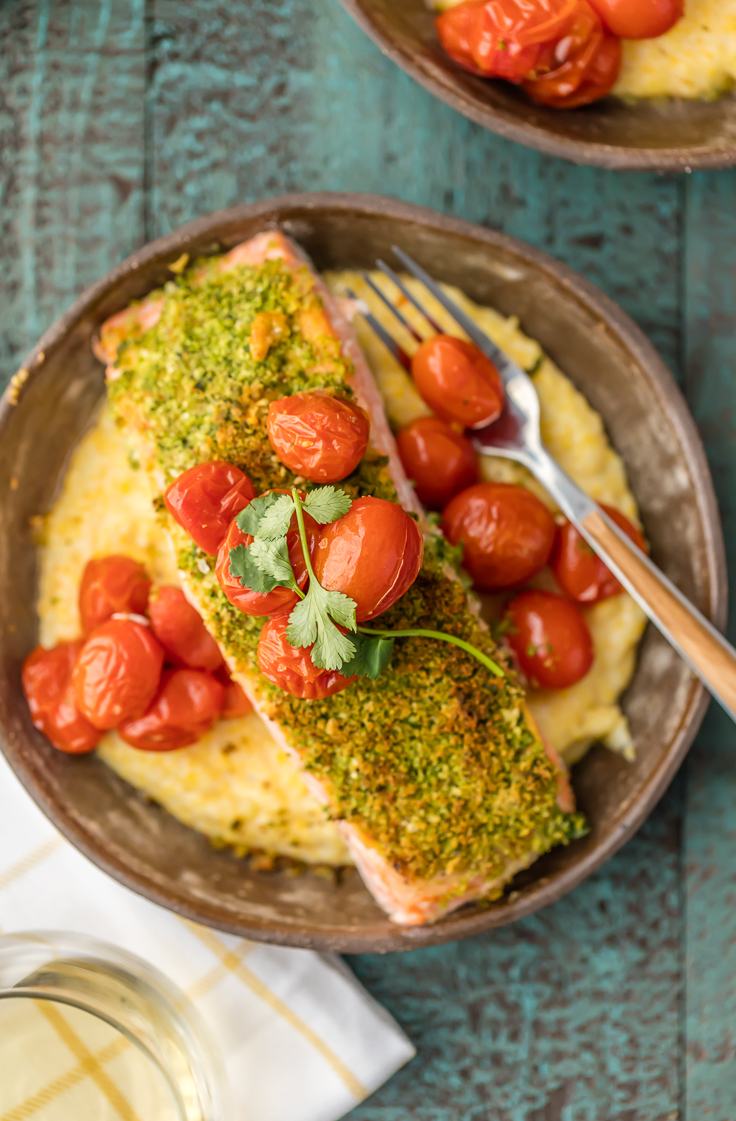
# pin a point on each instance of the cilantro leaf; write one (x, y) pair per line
(313, 623)
(244, 568)
(327, 504)
(249, 519)
(272, 557)
(372, 655)
(277, 518)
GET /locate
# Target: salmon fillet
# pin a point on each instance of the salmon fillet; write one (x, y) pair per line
(435, 773)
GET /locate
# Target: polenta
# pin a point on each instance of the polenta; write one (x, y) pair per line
(237, 785)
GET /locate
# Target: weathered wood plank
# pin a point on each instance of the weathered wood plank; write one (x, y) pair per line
(567, 1016)
(710, 837)
(72, 83)
(266, 97)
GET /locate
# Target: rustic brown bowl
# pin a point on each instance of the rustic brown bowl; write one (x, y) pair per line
(670, 134)
(621, 375)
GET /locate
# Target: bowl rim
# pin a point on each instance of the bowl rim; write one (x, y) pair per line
(275, 212)
(588, 152)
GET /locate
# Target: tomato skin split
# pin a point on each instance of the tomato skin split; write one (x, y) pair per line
(291, 667)
(457, 381)
(566, 53)
(550, 639)
(205, 499)
(180, 630)
(185, 707)
(319, 437)
(46, 679)
(111, 585)
(438, 459)
(373, 554)
(117, 672)
(507, 533)
(265, 604)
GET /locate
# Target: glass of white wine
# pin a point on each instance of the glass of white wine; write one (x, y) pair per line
(89, 1032)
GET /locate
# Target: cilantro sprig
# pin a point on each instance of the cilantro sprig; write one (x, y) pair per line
(322, 617)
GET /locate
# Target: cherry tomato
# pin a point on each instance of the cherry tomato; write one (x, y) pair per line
(639, 19)
(503, 38)
(580, 573)
(550, 639)
(291, 667)
(186, 706)
(319, 437)
(507, 532)
(373, 555)
(46, 680)
(457, 381)
(117, 672)
(280, 599)
(235, 703)
(578, 69)
(181, 632)
(110, 585)
(439, 460)
(206, 498)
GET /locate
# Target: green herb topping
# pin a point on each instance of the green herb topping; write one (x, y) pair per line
(264, 565)
(438, 762)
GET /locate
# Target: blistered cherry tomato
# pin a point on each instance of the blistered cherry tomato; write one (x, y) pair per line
(639, 19)
(291, 667)
(280, 599)
(319, 437)
(234, 703)
(46, 677)
(580, 68)
(550, 639)
(110, 585)
(581, 574)
(506, 531)
(181, 632)
(206, 498)
(373, 555)
(117, 672)
(457, 381)
(186, 706)
(440, 461)
(503, 38)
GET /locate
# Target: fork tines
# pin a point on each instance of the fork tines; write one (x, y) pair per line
(466, 324)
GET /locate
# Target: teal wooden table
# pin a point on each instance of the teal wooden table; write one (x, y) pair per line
(121, 119)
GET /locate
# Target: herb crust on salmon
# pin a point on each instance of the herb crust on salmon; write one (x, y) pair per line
(436, 769)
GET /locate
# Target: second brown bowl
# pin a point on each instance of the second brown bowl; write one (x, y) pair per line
(671, 134)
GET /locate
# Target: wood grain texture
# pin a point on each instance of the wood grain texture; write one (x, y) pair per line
(72, 82)
(710, 835)
(570, 1015)
(573, 1015)
(265, 97)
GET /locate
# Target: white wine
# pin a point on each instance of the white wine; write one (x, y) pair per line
(58, 1062)
(89, 1032)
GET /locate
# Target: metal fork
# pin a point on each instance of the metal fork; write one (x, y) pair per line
(516, 435)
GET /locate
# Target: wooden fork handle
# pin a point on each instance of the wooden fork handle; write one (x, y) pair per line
(711, 656)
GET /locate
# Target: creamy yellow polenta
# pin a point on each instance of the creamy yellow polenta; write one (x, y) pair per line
(696, 58)
(573, 432)
(237, 785)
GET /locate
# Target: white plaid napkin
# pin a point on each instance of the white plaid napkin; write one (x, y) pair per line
(300, 1038)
